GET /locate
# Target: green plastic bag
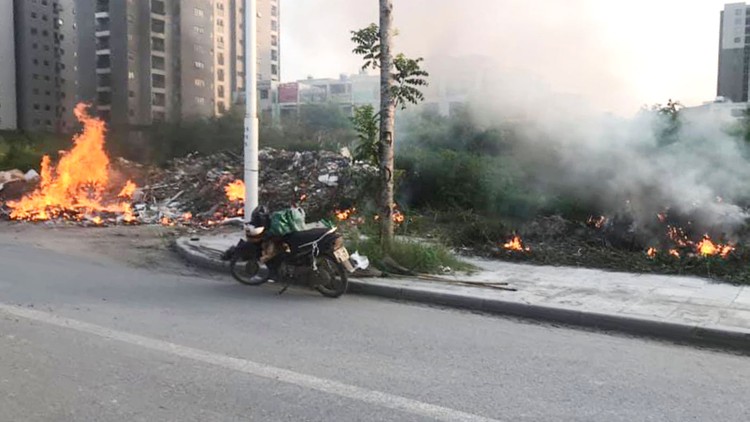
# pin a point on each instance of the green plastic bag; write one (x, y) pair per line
(287, 221)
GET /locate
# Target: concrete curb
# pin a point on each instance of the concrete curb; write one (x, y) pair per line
(714, 336)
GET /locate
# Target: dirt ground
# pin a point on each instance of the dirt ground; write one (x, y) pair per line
(145, 246)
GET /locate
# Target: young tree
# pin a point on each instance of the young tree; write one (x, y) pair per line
(400, 80)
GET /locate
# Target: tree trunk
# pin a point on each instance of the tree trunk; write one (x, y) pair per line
(387, 119)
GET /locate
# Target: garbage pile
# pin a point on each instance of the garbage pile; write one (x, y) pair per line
(191, 190)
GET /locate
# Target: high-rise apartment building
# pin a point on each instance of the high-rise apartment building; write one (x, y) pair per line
(50, 63)
(163, 60)
(137, 61)
(269, 44)
(734, 53)
(8, 69)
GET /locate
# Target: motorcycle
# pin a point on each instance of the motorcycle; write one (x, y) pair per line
(316, 255)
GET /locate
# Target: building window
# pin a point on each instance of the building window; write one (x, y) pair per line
(274, 10)
(220, 22)
(274, 40)
(263, 94)
(200, 83)
(275, 55)
(158, 81)
(131, 75)
(199, 29)
(737, 39)
(34, 31)
(157, 63)
(157, 6)
(220, 75)
(274, 25)
(157, 44)
(220, 59)
(198, 12)
(199, 65)
(103, 62)
(200, 100)
(36, 106)
(159, 99)
(158, 116)
(104, 97)
(274, 69)
(158, 26)
(104, 80)
(221, 91)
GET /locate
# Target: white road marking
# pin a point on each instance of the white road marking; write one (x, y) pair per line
(253, 368)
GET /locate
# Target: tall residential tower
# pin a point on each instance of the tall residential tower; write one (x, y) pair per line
(734, 53)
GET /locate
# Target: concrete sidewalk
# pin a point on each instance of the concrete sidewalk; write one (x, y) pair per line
(684, 309)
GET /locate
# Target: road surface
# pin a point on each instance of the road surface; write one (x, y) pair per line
(85, 337)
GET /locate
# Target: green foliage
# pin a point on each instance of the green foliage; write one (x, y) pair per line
(367, 42)
(413, 255)
(24, 151)
(367, 125)
(668, 122)
(407, 77)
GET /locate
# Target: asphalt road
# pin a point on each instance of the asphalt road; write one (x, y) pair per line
(92, 339)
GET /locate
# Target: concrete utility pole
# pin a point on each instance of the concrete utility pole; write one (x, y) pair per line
(252, 167)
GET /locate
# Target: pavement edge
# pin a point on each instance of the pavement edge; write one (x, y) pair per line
(713, 336)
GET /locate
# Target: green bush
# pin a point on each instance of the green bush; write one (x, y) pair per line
(414, 256)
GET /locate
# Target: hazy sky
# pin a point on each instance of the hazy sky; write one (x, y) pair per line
(618, 55)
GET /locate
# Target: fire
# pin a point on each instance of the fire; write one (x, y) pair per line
(674, 253)
(76, 185)
(678, 236)
(187, 216)
(343, 215)
(398, 217)
(516, 244)
(236, 191)
(97, 220)
(651, 252)
(128, 190)
(707, 247)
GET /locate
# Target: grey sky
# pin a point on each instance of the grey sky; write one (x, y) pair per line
(618, 55)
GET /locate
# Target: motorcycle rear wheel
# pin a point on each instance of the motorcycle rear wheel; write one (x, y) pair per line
(249, 273)
(331, 279)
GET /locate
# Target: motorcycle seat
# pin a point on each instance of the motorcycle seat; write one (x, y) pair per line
(307, 238)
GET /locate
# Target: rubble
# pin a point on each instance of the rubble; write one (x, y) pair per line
(191, 190)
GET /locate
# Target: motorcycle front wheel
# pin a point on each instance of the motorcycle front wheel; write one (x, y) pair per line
(249, 273)
(331, 279)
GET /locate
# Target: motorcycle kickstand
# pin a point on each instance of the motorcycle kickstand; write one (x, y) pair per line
(285, 288)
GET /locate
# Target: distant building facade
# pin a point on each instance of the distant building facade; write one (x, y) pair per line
(137, 62)
(734, 53)
(8, 114)
(52, 65)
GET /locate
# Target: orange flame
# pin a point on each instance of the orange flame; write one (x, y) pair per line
(236, 191)
(398, 217)
(343, 215)
(516, 244)
(674, 253)
(707, 247)
(187, 216)
(76, 185)
(128, 190)
(651, 252)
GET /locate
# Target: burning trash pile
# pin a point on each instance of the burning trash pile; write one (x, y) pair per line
(83, 186)
(670, 244)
